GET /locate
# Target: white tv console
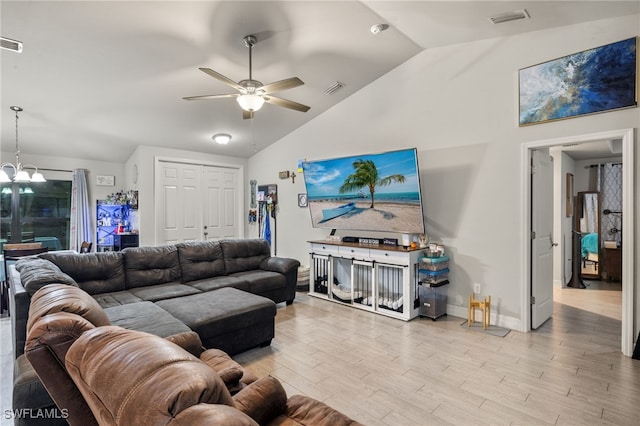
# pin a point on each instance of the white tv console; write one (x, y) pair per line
(376, 278)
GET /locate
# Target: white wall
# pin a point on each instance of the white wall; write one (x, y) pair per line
(458, 105)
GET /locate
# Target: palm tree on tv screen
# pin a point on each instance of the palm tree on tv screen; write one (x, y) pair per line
(366, 175)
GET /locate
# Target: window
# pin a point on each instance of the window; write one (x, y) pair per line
(36, 212)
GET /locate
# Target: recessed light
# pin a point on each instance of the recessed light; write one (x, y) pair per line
(378, 28)
(221, 138)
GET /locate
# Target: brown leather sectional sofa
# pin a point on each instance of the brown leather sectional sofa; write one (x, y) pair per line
(103, 374)
(225, 291)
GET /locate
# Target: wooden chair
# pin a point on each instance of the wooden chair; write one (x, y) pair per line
(484, 305)
(13, 252)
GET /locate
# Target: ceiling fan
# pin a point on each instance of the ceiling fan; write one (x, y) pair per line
(252, 93)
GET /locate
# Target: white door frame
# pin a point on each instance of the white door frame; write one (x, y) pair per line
(628, 202)
(156, 188)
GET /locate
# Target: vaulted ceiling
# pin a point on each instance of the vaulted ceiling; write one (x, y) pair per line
(98, 78)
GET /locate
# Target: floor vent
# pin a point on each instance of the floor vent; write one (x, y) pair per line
(510, 16)
(7, 43)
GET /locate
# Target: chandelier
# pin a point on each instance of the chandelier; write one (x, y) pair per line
(20, 175)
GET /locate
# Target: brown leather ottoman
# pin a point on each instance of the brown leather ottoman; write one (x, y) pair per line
(228, 319)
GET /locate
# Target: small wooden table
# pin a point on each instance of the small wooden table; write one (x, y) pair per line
(613, 263)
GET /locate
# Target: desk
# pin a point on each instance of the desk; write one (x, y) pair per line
(613, 263)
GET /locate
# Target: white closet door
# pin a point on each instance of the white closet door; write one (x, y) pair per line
(179, 203)
(221, 198)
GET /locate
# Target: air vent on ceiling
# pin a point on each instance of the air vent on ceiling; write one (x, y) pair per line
(14, 45)
(510, 16)
(333, 88)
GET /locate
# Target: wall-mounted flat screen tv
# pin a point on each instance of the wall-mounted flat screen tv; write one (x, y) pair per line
(369, 192)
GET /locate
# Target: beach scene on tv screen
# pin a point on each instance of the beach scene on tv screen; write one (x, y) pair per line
(372, 192)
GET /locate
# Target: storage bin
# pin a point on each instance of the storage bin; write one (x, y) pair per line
(435, 263)
(433, 277)
(433, 299)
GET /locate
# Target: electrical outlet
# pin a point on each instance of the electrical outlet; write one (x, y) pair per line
(476, 288)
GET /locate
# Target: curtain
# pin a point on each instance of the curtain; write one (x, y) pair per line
(80, 223)
(610, 186)
(590, 212)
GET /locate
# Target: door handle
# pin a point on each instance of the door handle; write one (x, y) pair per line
(552, 243)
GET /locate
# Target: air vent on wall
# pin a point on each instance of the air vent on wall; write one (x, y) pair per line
(14, 45)
(510, 16)
(333, 88)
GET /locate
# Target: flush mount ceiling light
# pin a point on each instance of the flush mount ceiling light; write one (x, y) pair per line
(222, 138)
(19, 174)
(510, 16)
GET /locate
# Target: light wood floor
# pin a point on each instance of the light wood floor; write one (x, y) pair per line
(382, 371)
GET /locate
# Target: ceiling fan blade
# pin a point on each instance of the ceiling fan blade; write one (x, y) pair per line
(247, 115)
(277, 86)
(222, 78)
(286, 103)
(197, 98)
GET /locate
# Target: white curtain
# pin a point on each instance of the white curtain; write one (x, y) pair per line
(81, 229)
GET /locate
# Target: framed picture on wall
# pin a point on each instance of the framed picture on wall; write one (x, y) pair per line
(588, 82)
(569, 195)
(103, 180)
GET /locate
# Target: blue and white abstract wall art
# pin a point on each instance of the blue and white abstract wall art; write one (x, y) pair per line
(595, 80)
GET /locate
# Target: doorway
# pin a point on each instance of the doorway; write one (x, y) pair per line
(627, 136)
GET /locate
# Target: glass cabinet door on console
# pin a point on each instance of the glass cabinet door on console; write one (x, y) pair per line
(362, 283)
(391, 287)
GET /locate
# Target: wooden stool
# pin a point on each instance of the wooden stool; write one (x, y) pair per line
(485, 305)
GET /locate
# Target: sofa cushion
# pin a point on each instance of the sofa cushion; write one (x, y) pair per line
(94, 272)
(199, 260)
(244, 255)
(157, 292)
(160, 378)
(262, 282)
(227, 319)
(64, 298)
(145, 266)
(29, 394)
(147, 317)
(116, 298)
(215, 283)
(36, 273)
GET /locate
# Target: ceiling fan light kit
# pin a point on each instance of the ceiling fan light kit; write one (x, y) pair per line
(250, 103)
(252, 93)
